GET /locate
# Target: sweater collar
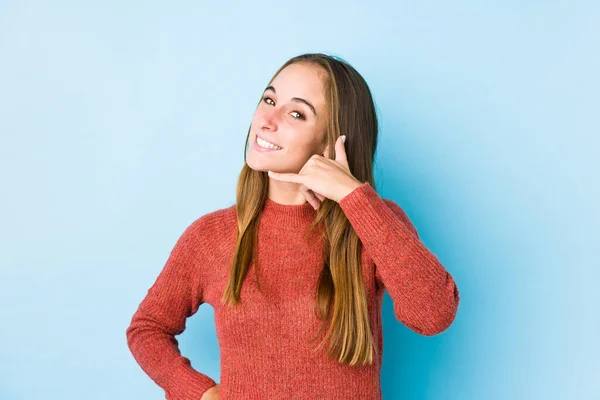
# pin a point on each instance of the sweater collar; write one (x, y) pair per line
(287, 215)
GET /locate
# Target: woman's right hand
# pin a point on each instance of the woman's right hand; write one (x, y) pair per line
(214, 393)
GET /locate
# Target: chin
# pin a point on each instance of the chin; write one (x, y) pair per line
(256, 166)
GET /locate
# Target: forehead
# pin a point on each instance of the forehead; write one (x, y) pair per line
(301, 80)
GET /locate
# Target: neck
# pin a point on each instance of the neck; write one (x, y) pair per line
(287, 215)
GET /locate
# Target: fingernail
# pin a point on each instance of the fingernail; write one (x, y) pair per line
(344, 138)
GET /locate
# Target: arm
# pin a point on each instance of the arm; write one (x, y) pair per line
(174, 296)
(425, 295)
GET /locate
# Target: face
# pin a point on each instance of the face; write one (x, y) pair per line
(292, 116)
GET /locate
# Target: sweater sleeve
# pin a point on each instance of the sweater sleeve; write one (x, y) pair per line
(174, 296)
(424, 294)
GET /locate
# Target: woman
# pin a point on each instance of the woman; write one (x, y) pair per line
(297, 268)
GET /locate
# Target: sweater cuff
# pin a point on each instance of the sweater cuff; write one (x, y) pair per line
(186, 383)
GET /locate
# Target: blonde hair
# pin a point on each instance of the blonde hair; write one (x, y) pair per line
(341, 295)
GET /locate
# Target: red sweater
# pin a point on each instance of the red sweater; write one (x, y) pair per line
(263, 342)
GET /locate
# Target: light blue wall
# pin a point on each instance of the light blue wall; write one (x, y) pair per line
(122, 123)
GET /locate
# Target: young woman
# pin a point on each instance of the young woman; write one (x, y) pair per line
(297, 268)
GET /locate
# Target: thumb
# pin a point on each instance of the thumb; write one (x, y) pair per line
(340, 151)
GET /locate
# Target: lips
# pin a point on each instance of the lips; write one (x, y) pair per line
(262, 138)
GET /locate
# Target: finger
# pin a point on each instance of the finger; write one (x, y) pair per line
(317, 195)
(310, 196)
(340, 151)
(286, 177)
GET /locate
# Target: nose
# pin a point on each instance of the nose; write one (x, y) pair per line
(269, 119)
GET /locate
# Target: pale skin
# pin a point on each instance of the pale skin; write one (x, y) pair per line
(300, 171)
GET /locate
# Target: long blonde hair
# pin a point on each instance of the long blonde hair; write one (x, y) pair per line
(352, 112)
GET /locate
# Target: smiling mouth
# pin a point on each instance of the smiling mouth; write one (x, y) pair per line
(266, 144)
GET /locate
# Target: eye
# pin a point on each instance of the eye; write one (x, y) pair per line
(300, 114)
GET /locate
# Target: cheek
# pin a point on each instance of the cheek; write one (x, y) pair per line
(300, 152)
(259, 112)
(256, 117)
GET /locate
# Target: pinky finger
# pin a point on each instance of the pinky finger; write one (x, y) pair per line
(320, 196)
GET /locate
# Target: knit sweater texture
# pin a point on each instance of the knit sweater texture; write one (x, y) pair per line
(264, 340)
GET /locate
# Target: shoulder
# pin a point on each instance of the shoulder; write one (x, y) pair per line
(207, 235)
(214, 218)
(213, 223)
(207, 230)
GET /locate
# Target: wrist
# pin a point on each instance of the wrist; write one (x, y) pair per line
(349, 189)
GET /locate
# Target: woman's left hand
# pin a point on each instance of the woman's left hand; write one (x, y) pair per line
(324, 176)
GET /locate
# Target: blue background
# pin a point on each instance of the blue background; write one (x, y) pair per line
(122, 123)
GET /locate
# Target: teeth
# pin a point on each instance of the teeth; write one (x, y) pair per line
(268, 145)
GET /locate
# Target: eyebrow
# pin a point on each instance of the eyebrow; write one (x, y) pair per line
(297, 99)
